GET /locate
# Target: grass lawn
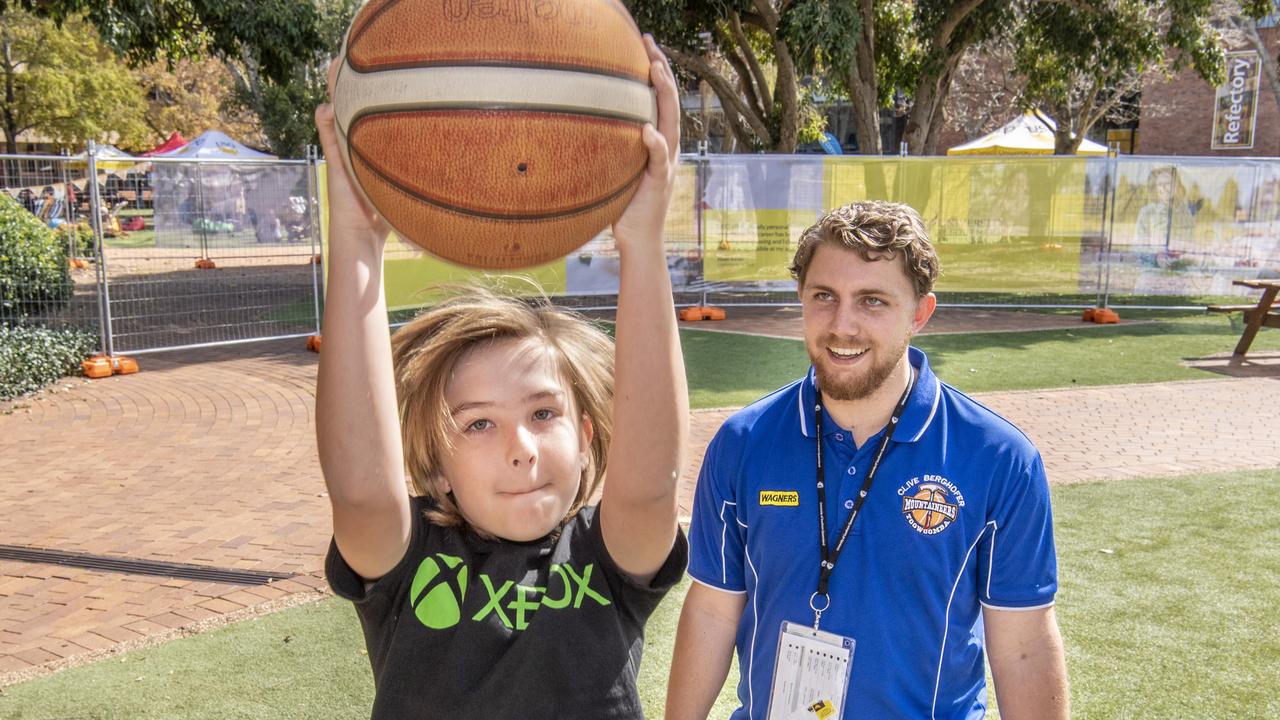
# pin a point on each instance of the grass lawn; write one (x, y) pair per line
(1167, 591)
(731, 370)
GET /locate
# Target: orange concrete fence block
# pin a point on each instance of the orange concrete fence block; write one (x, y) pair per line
(123, 365)
(206, 264)
(695, 314)
(1101, 316)
(313, 343)
(98, 366)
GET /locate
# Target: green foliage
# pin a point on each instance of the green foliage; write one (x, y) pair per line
(77, 240)
(33, 357)
(273, 34)
(285, 106)
(33, 264)
(65, 84)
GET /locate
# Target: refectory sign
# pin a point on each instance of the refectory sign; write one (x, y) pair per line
(1235, 106)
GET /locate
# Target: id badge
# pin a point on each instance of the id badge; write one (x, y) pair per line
(810, 674)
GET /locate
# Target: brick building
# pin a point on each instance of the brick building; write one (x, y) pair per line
(1178, 116)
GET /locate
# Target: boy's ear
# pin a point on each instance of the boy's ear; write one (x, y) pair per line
(587, 434)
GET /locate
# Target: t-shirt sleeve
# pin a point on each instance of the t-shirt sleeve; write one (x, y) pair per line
(348, 584)
(715, 531)
(638, 599)
(1017, 562)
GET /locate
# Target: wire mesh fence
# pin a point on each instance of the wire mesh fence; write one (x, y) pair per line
(160, 253)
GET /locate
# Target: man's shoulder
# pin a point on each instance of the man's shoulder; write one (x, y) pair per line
(978, 426)
(764, 414)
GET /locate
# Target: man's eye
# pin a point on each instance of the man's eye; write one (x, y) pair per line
(875, 301)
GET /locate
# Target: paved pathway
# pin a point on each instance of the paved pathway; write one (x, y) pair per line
(208, 458)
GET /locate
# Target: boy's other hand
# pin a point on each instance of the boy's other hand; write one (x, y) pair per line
(644, 217)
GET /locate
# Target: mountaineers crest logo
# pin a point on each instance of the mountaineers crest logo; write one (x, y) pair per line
(930, 503)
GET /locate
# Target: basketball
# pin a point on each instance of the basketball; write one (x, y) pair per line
(495, 135)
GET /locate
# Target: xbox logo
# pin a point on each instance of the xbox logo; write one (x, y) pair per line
(437, 591)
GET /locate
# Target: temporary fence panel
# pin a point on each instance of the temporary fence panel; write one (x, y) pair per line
(48, 269)
(589, 275)
(225, 255)
(1018, 231)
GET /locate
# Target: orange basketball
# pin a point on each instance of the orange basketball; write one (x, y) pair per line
(495, 133)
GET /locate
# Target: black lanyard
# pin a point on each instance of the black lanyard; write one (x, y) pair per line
(829, 556)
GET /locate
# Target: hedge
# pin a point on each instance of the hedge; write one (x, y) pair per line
(33, 357)
(34, 278)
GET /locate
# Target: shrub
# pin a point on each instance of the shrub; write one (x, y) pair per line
(78, 237)
(33, 264)
(33, 357)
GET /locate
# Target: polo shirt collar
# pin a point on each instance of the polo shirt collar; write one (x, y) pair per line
(922, 406)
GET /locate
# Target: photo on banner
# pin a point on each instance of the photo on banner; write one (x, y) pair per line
(1190, 227)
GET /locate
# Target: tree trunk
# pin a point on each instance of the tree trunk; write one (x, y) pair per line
(926, 109)
(1269, 71)
(860, 80)
(786, 98)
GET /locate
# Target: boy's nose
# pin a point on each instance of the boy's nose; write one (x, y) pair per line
(523, 449)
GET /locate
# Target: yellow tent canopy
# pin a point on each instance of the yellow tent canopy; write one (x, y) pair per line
(1024, 135)
(109, 159)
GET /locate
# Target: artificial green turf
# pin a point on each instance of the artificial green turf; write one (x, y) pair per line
(728, 370)
(1167, 591)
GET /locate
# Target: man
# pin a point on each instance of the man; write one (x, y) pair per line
(950, 550)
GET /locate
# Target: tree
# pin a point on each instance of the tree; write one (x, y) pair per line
(275, 33)
(1082, 61)
(742, 50)
(1239, 22)
(191, 96)
(872, 50)
(286, 105)
(63, 87)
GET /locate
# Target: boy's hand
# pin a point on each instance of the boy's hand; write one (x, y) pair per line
(644, 217)
(350, 215)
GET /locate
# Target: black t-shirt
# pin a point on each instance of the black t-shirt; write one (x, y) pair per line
(545, 629)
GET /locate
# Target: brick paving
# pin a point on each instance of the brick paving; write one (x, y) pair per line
(208, 457)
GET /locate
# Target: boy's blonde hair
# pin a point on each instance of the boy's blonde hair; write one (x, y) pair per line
(874, 229)
(424, 354)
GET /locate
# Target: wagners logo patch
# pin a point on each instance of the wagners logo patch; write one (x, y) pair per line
(780, 498)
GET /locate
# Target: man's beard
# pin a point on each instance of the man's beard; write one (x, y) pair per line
(860, 386)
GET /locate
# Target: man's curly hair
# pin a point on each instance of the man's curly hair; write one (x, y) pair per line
(876, 230)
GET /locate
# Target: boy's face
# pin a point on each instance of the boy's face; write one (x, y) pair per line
(520, 445)
(859, 317)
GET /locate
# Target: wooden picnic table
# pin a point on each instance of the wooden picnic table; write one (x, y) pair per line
(1265, 314)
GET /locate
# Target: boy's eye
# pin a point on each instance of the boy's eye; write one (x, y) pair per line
(480, 424)
(544, 414)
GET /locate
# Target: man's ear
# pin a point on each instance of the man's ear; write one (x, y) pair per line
(924, 310)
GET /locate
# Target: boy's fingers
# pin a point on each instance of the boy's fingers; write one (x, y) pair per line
(659, 158)
(325, 127)
(334, 64)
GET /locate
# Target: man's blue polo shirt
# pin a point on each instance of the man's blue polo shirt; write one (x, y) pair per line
(957, 518)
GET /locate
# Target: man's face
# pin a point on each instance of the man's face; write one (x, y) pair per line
(859, 317)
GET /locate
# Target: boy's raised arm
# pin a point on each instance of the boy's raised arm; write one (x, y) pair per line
(651, 400)
(357, 421)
